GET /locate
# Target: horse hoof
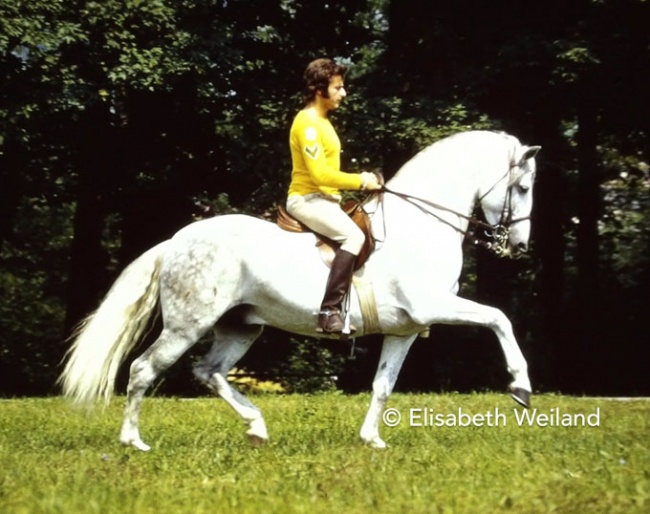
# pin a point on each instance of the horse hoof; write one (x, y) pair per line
(376, 443)
(138, 445)
(256, 440)
(521, 396)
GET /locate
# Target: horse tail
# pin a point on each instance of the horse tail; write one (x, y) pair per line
(104, 339)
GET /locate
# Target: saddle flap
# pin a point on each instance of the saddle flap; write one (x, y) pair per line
(287, 222)
(360, 217)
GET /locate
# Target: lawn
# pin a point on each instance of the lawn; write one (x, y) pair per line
(482, 458)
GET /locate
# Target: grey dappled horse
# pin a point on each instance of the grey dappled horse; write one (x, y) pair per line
(231, 275)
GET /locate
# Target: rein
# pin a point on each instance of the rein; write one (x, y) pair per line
(498, 233)
(413, 199)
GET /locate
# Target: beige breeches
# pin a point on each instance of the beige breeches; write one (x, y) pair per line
(323, 214)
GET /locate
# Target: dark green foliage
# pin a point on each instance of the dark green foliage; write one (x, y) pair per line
(116, 117)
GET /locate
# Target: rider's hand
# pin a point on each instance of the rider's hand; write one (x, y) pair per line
(370, 181)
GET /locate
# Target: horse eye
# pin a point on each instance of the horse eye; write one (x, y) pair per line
(524, 188)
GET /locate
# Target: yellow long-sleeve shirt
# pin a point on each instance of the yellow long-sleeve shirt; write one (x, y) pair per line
(316, 157)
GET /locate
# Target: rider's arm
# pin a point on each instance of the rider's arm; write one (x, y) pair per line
(320, 150)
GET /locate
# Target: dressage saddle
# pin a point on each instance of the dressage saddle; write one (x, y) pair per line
(327, 247)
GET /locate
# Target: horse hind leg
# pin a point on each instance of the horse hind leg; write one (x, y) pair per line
(168, 348)
(230, 345)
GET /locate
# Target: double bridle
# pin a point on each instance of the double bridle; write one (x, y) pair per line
(497, 235)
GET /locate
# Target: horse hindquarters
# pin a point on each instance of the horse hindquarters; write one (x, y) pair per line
(195, 291)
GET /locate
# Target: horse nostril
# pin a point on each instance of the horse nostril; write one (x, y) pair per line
(522, 247)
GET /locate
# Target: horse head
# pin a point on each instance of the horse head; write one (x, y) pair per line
(507, 204)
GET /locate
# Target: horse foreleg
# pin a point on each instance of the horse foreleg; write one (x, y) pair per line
(144, 370)
(230, 345)
(454, 310)
(392, 357)
(520, 388)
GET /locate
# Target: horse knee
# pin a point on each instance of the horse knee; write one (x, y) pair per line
(382, 389)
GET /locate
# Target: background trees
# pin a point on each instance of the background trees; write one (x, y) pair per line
(116, 117)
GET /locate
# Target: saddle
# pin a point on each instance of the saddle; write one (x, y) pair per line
(327, 247)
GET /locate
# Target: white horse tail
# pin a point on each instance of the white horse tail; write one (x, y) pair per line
(105, 338)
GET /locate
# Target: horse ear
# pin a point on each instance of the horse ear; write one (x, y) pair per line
(528, 153)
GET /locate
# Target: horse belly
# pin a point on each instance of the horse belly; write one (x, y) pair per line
(283, 288)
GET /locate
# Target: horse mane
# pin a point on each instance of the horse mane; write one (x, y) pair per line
(507, 139)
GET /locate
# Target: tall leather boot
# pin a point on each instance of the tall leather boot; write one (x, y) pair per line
(330, 319)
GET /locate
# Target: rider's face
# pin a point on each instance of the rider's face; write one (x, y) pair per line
(335, 93)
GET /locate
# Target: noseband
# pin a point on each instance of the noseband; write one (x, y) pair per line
(497, 234)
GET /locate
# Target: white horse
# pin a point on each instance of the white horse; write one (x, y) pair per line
(232, 275)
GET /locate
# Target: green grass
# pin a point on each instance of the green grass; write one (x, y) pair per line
(54, 459)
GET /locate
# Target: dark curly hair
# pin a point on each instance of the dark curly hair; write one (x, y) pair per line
(317, 77)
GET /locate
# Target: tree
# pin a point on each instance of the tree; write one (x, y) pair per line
(116, 116)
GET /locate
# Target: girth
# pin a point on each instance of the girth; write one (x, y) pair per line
(352, 208)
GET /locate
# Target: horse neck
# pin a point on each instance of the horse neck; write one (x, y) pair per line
(451, 172)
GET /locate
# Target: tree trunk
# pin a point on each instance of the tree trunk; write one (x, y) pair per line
(548, 245)
(88, 259)
(588, 336)
(94, 155)
(588, 206)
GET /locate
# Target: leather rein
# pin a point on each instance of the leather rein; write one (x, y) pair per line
(497, 233)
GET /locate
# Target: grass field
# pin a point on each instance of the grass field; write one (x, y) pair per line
(54, 459)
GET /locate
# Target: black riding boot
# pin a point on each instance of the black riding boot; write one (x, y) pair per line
(330, 320)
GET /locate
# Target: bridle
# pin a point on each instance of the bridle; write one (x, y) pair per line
(497, 235)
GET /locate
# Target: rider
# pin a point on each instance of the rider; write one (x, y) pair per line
(316, 180)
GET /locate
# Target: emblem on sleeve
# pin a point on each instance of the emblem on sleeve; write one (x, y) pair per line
(312, 151)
